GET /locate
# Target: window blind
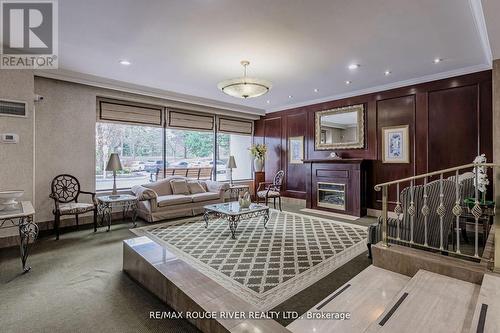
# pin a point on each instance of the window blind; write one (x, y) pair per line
(235, 126)
(129, 112)
(189, 120)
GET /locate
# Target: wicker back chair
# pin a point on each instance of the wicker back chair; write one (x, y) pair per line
(65, 191)
(271, 190)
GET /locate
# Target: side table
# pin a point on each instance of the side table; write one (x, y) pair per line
(235, 190)
(106, 203)
(21, 217)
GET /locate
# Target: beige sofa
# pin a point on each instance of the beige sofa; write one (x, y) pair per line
(158, 202)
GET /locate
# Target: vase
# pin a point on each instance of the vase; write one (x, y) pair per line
(258, 164)
(244, 200)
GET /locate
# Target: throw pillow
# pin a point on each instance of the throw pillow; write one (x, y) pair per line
(179, 186)
(195, 187)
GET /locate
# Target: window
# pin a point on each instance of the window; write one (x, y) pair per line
(153, 142)
(237, 146)
(140, 149)
(189, 149)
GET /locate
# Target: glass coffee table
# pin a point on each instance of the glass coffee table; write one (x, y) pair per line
(233, 213)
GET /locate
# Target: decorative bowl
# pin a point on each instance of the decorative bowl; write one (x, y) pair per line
(8, 199)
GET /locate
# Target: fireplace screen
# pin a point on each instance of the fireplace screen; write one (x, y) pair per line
(331, 195)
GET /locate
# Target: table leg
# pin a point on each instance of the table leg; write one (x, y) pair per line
(133, 207)
(205, 218)
(27, 230)
(266, 218)
(233, 224)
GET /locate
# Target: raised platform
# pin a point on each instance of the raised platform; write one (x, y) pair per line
(185, 289)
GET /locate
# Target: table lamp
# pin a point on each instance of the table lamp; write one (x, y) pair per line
(231, 164)
(114, 165)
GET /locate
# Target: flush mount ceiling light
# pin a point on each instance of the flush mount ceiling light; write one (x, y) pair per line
(437, 60)
(125, 62)
(353, 66)
(245, 87)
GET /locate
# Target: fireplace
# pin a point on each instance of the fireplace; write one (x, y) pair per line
(331, 195)
(336, 185)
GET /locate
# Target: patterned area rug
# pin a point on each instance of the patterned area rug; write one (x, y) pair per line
(263, 266)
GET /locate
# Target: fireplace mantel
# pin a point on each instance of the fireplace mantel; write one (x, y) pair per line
(333, 176)
(336, 160)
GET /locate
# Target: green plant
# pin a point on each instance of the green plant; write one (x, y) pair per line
(258, 151)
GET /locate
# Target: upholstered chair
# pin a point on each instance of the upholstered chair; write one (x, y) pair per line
(65, 190)
(271, 190)
(432, 191)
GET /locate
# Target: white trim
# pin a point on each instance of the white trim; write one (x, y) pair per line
(389, 86)
(100, 82)
(480, 24)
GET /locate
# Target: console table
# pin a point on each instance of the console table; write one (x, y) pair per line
(22, 218)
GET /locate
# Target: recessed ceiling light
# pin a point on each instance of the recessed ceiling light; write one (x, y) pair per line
(316, 90)
(437, 60)
(387, 73)
(353, 66)
(268, 102)
(290, 96)
(348, 82)
(125, 62)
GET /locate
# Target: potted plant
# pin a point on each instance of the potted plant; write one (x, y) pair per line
(258, 152)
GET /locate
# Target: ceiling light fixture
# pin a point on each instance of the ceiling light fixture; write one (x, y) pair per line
(245, 87)
(316, 90)
(387, 73)
(353, 66)
(290, 96)
(348, 82)
(437, 60)
(125, 62)
(268, 102)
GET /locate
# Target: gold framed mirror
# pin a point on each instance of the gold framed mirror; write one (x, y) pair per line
(340, 128)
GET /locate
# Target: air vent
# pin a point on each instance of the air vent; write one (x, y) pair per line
(12, 108)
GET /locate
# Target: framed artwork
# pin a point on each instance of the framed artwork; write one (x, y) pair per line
(396, 144)
(296, 149)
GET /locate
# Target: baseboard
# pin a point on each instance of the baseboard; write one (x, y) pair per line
(377, 213)
(330, 214)
(294, 201)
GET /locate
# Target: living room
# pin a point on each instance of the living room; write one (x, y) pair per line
(249, 167)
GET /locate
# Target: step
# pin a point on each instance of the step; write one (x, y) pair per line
(487, 314)
(365, 296)
(430, 302)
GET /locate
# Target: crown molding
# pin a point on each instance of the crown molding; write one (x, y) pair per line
(100, 82)
(480, 24)
(384, 87)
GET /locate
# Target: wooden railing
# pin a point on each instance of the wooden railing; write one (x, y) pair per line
(476, 210)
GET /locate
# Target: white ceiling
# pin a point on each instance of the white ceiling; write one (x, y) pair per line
(188, 46)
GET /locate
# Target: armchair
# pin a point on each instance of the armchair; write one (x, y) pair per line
(65, 190)
(271, 190)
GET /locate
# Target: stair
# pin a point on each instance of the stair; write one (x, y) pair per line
(365, 296)
(487, 313)
(430, 302)
(380, 300)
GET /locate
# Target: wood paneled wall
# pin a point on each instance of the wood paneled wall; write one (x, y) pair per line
(450, 122)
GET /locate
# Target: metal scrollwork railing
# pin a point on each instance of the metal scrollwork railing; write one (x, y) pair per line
(427, 211)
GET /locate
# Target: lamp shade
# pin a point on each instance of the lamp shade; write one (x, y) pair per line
(231, 163)
(114, 163)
